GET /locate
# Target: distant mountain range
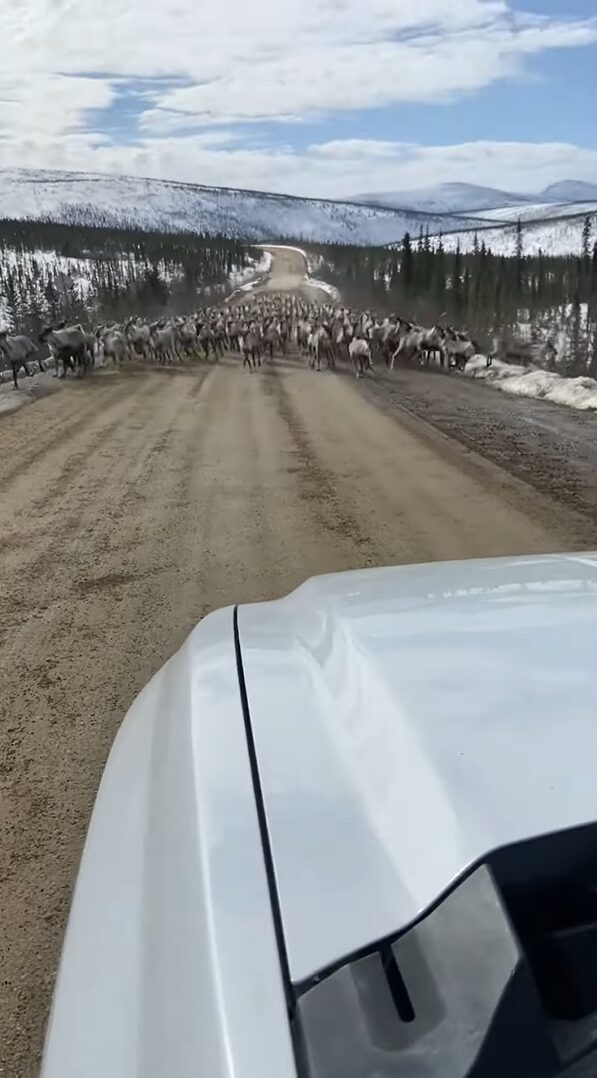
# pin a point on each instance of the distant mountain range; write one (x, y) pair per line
(571, 191)
(551, 219)
(467, 198)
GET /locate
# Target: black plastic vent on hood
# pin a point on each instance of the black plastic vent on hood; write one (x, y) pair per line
(499, 980)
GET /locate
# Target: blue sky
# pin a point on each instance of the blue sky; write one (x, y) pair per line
(315, 97)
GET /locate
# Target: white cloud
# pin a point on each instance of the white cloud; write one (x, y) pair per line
(267, 60)
(328, 170)
(348, 149)
(48, 104)
(332, 73)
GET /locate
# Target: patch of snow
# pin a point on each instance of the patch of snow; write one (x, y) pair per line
(83, 287)
(251, 274)
(314, 262)
(323, 286)
(248, 287)
(578, 393)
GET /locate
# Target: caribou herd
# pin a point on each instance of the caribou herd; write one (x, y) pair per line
(254, 331)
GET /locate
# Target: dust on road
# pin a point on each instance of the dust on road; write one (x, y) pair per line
(133, 505)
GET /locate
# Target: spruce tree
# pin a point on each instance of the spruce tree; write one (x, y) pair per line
(406, 268)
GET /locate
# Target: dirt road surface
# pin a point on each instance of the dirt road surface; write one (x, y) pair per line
(288, 273)
(131, 505)
(552, 447)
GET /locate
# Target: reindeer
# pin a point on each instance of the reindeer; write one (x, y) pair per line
(249, 348)
(69, 345)
(360, 354)
(113, 344)
(319, 345)
(18, 351)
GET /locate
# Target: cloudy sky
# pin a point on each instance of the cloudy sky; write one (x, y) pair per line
(313, 97)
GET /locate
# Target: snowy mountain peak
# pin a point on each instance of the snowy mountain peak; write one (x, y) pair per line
(445, 198)
(570, 191)
(471, 199)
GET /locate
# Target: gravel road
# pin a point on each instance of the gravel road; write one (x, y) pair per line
(134, 504)
(288, 274)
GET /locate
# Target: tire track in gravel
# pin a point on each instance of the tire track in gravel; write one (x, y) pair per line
(317, 486)
(59, 434)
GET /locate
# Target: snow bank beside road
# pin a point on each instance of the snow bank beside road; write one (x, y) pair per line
(246, 279)
(578, 393)
(323, 286)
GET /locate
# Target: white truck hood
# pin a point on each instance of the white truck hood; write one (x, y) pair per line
(307, 777)
(407, 722)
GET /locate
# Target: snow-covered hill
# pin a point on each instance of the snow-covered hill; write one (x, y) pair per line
(571, 191)
(175, 207)
(476, 201)
(540, 211)
(461, 198)
(560, 236)
(256, 216)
